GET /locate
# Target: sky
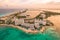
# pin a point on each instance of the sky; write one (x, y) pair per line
(29, 3)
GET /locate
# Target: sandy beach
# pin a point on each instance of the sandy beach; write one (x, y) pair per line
(23, 29)
(56, 22)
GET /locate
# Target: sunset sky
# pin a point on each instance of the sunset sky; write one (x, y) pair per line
(29, 3)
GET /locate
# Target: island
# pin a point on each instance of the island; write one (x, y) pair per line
(28, 21)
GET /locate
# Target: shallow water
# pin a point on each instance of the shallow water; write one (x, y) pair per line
(9, 33)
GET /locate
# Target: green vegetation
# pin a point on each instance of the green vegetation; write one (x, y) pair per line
(21, 17)
(48, 14)
(2, 21)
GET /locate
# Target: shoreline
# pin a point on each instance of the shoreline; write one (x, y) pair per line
(23, 29)
(10, 14)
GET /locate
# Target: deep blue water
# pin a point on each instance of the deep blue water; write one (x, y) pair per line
(9, 33)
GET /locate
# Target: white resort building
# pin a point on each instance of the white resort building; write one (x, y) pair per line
(29, 19)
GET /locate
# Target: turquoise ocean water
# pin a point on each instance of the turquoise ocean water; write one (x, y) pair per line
(9, 33)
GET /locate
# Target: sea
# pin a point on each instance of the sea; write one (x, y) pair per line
(10, 33)
(4, 12)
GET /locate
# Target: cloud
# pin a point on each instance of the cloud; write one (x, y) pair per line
(8, 2)
(23, 3)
